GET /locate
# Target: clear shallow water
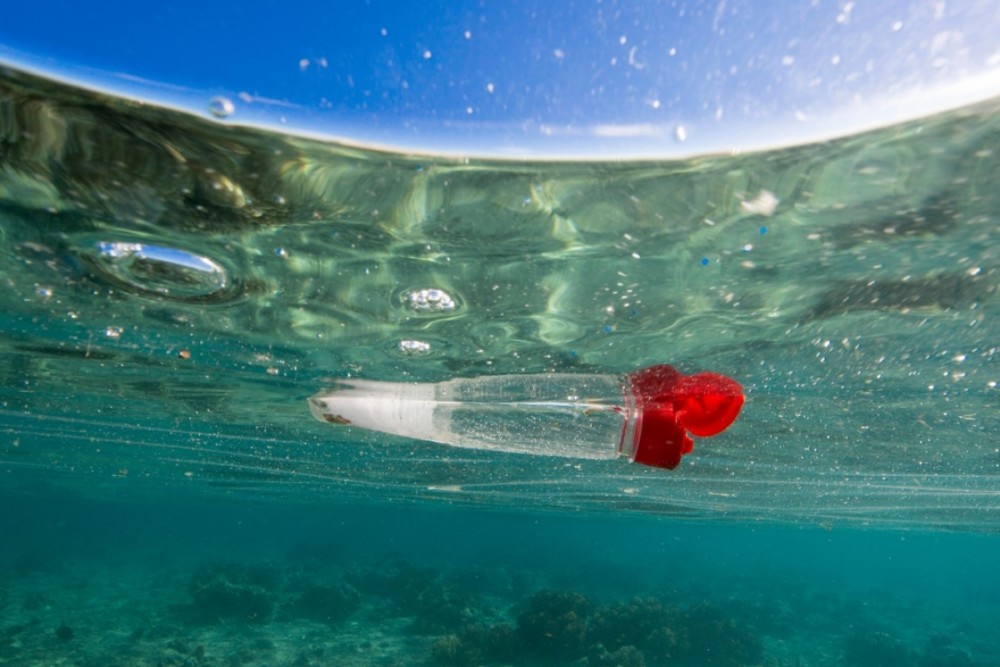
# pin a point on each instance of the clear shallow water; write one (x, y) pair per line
(175, 289)
(209, 279)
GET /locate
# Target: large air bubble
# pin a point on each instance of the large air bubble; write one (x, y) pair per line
(163, 271)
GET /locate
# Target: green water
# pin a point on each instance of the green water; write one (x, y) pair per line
(174, 288)
(850, 286)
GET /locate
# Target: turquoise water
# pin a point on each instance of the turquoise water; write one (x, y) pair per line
(174, 290)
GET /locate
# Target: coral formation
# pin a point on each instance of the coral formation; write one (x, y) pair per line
(453, 650)
(554, 626)
(876, 649)
(564, 627)
(326, 603)
(940, 651)
(441, 606)
(253, 615)
(478, 644)
(715, 639)
(435, 604)
(644, 623)
(232, 592)
(626, 656)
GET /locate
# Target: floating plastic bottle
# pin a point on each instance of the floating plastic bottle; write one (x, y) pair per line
(645, 416)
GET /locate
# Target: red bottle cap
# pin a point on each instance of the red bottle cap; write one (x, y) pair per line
(670, 405)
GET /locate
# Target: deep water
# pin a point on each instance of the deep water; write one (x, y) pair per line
(215, 582)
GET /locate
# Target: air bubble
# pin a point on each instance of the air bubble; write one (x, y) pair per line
(429, 300)
(162, 271)
(414, 348)
(221, 107)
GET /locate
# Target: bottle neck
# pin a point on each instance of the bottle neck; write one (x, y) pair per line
(630, 422)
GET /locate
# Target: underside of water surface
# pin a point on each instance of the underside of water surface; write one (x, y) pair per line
(175, 288)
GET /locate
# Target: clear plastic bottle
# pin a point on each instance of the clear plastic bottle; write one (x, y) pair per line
(645, 415)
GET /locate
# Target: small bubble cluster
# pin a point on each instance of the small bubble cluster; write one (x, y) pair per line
(414, 348)
(429, 300)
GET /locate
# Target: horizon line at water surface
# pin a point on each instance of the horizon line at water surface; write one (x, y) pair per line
(651, 81)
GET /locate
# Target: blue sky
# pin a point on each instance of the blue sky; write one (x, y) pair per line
(662, 76)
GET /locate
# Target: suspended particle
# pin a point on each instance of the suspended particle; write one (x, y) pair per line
(765, 203)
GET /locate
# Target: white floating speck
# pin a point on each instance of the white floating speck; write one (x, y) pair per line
(764, 204)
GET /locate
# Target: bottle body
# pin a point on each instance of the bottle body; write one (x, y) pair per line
(646, 415)
(580, 416)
